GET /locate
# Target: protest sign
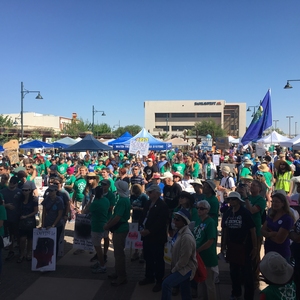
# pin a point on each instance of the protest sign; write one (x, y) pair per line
(139, 146)
(12, 151)
(44, 250)
(133, 239)
(82, 233)
(222, 143)
(216, 159)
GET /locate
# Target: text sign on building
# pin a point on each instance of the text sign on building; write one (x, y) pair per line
(208, 103)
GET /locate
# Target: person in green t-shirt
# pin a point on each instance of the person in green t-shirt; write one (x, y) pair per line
(206, 244)
(62, 167)
(99, 208)
(69, 181)
(210, 195)
(179, 166)
(256, 204)
(79, 186)
(120, 216)
(246, 170)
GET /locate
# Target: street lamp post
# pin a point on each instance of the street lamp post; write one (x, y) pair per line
(93, 116)
(288, 86)
(275, 121)
(254, 109)
(24, 92)
(296, 128)
(290, 117)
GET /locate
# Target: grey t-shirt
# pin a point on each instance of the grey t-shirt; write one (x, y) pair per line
(52, 210)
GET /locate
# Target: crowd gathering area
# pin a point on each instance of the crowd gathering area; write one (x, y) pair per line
(181, 202)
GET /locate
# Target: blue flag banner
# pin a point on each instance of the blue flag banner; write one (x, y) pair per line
(261, 121)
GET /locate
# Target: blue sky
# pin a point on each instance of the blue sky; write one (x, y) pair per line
(116, 54)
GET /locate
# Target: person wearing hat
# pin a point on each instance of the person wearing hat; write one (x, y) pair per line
(69, 181)
(278, 275)
(156, 179)
(198, 188)
(184, 263)
(296, 163)
(79, 186)
(246, 170)
(227, 182)
(119, 220)
(92, 181)
(282, 176)
(240, 240)
(268, 180)
(149, 170)
(153, 229)
(206, 244)
(209, 192)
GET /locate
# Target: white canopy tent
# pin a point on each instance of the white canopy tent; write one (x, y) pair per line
(296, 146)
(178, 142)
(273, 138)
(291, 142)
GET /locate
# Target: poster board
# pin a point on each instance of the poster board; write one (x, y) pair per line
(133, 239)
(216, 159)
(137, 146)
(206, 145)
(12, 151)
(82, 233)
(44, 250)
(222, 143)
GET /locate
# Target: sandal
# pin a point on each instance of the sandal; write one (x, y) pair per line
(20, 259)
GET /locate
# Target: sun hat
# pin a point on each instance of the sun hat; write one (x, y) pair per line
(275, 268)
(235, 195)
(189, 196)
(156, 176)
(153, 187)
(167, 175)
(225, 169)
(70, 170)
(122, 188)
(263, 167)
(247, 177)
(211, 184)
(184, 214)
(248, 162)
(177, 174)
(197, 181)
(279, 161)
(93, 174)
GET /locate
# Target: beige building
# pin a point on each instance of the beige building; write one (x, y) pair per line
(32, 121)
(174, 116)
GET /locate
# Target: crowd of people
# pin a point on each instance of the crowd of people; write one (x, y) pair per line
(190, 197)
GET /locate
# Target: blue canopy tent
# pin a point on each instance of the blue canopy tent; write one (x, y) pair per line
(87, 143)
(123, 138)
(36, 144)
(59, 145)
(144, 136)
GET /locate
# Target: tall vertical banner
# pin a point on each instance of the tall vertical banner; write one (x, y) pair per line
(44, 250)
(82, 233)
(261, 121)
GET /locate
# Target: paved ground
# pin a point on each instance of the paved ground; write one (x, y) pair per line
(73, 279)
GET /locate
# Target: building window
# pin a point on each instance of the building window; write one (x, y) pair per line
(208, 115)
(183, 115)
(181, 128)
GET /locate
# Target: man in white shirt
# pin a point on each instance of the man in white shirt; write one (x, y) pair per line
(209, 171)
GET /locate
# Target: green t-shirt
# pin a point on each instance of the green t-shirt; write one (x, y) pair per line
(2, 217)
(99, 210)
(214, 208)
(206, 231)
(112, 201)
(245, 172)
(287, 291)
(86, 163)
(62, 168)
(261, 202)
(268, 177)
(79, 186)
(47, 165)
(122, 209)
(112, 185)
(70, 179)
(179, 168)
(40, 169)
(195, 173)
(98, 168)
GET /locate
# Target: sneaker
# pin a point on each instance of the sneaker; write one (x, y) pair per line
(95, 266)
(99, 270)
(10, 256)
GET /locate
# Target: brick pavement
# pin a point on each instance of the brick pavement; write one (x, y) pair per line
(73, 279)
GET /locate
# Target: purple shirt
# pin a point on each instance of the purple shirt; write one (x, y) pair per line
(283, 249)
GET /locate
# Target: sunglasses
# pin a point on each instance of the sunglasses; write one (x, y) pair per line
(91, 178)
(202, 208)
(25, 190)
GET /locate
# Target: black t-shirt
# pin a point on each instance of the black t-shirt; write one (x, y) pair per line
(171, 195)
(238, 226)
(149, 171)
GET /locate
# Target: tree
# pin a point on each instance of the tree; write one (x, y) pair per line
(5, 124)
(132, 129)
(209, 127)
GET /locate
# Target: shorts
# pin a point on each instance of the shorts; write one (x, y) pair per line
(98, 236)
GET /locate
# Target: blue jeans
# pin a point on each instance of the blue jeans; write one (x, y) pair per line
(173, 280)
